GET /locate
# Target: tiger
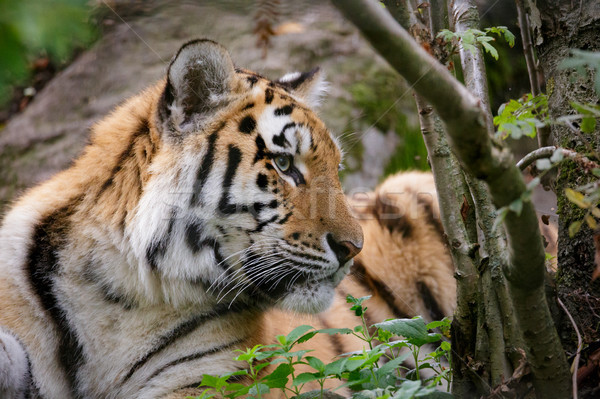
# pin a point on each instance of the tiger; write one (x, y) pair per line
(206, 215)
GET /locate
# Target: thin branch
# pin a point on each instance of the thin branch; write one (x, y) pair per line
(546, 152)
(579, 347)
(466, 17)
(543, 133)
(528, 48)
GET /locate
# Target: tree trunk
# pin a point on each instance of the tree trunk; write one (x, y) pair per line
(558, 27)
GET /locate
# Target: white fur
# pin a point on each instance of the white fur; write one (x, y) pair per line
(14, 370)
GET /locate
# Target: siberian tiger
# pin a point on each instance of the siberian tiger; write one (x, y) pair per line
(200, 205)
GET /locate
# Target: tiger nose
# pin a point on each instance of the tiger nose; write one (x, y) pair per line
(343, 250)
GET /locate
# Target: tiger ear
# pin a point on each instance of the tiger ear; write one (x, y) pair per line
(199, 82)
(310, 86)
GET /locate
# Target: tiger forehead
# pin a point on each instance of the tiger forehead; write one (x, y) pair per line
(266, 99)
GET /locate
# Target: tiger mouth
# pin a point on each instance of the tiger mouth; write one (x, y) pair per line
(283, 275)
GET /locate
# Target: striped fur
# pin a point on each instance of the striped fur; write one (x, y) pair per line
(157, 253)
(165, 245)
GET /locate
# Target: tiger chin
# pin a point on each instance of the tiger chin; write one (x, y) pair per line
(200, 203)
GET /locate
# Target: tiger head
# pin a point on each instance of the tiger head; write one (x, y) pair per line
(245, 186)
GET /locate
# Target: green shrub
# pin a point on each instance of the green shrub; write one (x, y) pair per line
(378, 371)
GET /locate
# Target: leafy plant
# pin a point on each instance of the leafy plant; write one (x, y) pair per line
(377, 371)
(586, 197)
(518, 118)
(471, 37)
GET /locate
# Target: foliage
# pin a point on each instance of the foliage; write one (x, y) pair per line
(28, 29)
(586, 197)
(582, 59)
(471, 37)
(378, 371)
(518, 118)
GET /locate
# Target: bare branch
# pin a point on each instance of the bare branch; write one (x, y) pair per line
(544, 152)
(466, 17)
(579, 347)
(543, 133)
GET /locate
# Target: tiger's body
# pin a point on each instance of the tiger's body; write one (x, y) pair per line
(199, 205)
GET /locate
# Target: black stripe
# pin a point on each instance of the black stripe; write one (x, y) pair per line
(108, 292)
(280, 138)
(309, 256)
(233, 161)
(431, 218)
(181, 331)
(193, 234)
(430, 303)
(194, 356)
(261, 149)
(247, 125)
(158, 248)
(49, 237)
(285, 110)
(248, 106)
(285, 218)
(262, 182)
(295, 174)
(204, 169)
(335, 339)
(262, 225)
(378, 288)
(252, 80)
(268, 96)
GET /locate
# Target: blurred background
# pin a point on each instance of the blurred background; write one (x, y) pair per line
(67, 63)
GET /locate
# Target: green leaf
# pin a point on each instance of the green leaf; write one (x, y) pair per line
(500, 216)
(315, 363)
(306, 337)
(574, 228)
(588, 124)
(337, 367)
(297, 333)
(413, 330)
(332, 331)
(279, 377)
(407, 390)
(516, 206)
(490, 49)
(306, 377)
(509, 37)
(299, 353)
(259, 389)
(354, 363)
(209, 381)
(392, 364)
(445, 345)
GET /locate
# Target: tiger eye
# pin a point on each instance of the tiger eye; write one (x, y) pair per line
(283, 162)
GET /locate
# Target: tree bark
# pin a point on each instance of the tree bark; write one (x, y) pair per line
(559, 27)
